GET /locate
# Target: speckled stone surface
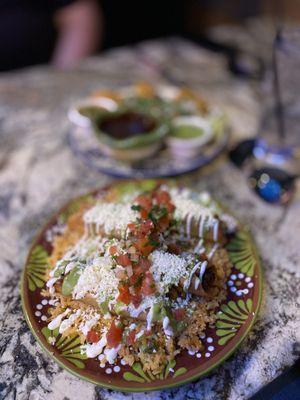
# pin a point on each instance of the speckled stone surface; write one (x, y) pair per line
(38, 173)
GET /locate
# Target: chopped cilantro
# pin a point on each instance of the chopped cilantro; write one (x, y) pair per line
(153, 242)
(136, 207)
(139, 280)
(156, 213)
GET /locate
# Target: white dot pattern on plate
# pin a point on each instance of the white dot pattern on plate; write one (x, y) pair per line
(209, 340)
(210, 348)
(39, 306)
(237, 283)
(43, 318)
(207, 355)
(198, 355)
(117, 368)
(44, 302)
(123, 362)
(108, 371)
(37, 313)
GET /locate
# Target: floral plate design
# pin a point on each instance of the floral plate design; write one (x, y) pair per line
(235, 316)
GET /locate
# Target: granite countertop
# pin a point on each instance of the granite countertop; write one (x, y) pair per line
(38, 173)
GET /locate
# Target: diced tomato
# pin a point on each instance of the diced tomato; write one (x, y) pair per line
(124, 294)
(130, 340)
(144, 201)
(137, 277)
(137, 269)
(131, 226)
(144, 264)
(148, 285)
(124, 260)
(170, 207)
(162, 197)
(92, 337)
(136, 299)
(179, 314)
(113, 250)
(144, 246)
(146, 227)
(114, 335)
(163, 223)
(144, 213)
(121, 273)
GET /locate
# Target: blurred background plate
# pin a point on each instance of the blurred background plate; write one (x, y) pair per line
(85, 146)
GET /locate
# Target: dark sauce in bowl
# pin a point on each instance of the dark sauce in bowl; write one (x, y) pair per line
(126, 125)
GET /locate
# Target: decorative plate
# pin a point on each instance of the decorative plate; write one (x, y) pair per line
(235, 317)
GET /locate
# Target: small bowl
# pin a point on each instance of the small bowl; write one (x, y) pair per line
(188, 135)
(128, 135)
(81, 114)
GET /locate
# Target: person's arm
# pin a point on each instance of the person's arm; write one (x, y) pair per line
(80, 28)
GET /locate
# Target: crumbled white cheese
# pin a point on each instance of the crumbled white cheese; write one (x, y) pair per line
(110, 217)
(89, 246)
(167, 269)
(89, 320)
(186, 205)
(85, 249)
(97, 279)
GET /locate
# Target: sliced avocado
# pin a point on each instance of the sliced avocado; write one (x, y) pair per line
(160, 311)
(177, 326)
(104, 306)
(156, 312)
(61, 269)
(165, 312)
(119, 307)
(70, 281)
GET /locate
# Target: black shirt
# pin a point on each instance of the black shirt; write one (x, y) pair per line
(27, 33)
